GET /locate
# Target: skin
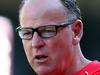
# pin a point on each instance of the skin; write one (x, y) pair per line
(63, 50)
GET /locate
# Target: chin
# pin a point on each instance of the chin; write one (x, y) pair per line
(43, 70)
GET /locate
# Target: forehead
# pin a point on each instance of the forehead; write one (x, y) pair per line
(37, 9)
(41, 5)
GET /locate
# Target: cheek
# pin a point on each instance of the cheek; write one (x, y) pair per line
(60, 53)
(62, 41)
(61, 47)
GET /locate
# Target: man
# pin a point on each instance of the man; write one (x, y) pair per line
(6, 41)
(51, 31)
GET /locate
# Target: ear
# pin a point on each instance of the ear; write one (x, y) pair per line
(77, 29)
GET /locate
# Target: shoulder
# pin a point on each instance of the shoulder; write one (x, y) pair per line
(95, 68)
(92, 68)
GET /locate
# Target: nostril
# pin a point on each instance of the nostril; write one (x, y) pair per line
(38, 45)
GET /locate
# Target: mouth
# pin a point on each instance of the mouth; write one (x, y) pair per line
(41, 58)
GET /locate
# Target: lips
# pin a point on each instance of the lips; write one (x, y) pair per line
(40, 58)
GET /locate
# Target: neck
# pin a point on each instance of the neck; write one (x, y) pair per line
(78, 63)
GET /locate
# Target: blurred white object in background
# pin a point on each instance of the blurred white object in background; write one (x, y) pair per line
(6, 41)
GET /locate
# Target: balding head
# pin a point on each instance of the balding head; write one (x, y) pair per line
(70, 6)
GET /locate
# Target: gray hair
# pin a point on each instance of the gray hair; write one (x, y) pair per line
(72, 8)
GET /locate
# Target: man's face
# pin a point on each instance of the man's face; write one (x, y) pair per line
(51, 55)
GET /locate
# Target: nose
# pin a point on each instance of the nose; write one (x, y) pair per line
(37, 41)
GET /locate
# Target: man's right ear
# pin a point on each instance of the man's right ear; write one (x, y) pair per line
(77, 29)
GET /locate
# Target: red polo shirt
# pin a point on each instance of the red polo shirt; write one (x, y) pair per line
(91, 69)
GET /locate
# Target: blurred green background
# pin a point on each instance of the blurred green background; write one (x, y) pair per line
(90, 42)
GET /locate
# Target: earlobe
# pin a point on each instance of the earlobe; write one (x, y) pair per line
(76, 40)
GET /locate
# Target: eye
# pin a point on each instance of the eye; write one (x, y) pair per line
(26, 32)
(47, 29)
